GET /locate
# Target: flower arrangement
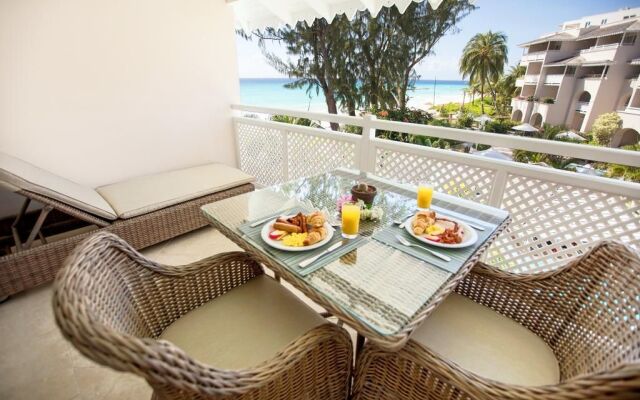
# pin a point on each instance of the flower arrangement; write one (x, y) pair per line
(345, 198)
(366, 212)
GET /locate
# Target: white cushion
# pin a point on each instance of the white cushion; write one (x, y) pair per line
(149, 193)
(488, 344)
(16, 174)
(244, 327)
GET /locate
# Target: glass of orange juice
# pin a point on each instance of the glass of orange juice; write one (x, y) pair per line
(425, 195)
(350, 220)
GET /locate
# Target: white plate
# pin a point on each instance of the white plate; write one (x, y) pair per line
(277, 244)
(469, 235)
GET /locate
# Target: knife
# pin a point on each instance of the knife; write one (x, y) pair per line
(305, 263)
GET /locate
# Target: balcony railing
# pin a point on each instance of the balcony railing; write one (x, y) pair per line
(600, 48)
(556, 214)
(531, 78)
(553, 79)
(536, 56)
(582, 106)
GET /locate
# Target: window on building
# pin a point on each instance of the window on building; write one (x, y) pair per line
(555, 45)
(604, 21)
(571, 70)
(629, 38)
(586, 24)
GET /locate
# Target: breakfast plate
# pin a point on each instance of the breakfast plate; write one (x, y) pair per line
(440, 230)
(318, 232)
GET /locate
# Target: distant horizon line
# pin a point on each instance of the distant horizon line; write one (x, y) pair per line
(285, 78)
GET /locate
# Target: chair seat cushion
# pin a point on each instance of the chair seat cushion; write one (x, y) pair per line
(149, 193)
(488, 344)
(244, 327)
(17, 174)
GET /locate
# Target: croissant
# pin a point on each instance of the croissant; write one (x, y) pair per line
(315, 235)
(316, 219)
(419, 227)
(422, 221)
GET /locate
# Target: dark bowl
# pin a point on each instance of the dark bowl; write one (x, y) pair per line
(367, 196)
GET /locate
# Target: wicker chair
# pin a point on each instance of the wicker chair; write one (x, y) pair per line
(115, 306)
(585, 313)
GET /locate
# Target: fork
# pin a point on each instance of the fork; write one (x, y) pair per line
(405, 242)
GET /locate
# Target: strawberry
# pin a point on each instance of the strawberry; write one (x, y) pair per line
(432, 238)
(276, 234)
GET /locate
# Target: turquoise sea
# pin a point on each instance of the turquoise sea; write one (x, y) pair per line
(270, 92)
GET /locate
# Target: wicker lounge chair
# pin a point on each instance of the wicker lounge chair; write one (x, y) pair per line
(214, 329)
(143, 211)
(566, 334)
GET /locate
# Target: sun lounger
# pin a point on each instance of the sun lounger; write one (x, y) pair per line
(143, 211)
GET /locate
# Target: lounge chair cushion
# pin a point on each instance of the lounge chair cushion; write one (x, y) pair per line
(149, 193)
(244, 327)
(16, 175)
(488, 344)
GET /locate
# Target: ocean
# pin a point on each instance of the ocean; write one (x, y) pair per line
(270, 92)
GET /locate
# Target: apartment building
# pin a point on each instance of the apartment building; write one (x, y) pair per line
(589, 67)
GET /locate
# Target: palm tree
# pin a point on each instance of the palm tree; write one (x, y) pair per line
(483, 59)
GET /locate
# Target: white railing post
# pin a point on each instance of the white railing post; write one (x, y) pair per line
(498, 187)
(367, 156)
(285, 154)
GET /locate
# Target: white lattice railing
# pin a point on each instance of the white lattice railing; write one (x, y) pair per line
(556, 214)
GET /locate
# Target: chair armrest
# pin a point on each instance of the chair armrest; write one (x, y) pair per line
(621, 382)
(571, 308)
(326, 350)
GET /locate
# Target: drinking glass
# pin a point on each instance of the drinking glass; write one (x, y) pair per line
(425, 195)
(350, 220)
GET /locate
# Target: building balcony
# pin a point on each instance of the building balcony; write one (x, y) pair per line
(521, 103)
(630, 118)
(409, 163)
(531, 79)
(583, 106)
(542, 108)
(552, 269)
(600, 53)
(553, 79)
(533, 57)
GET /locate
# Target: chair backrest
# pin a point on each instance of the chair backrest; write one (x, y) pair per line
(601, 331)
(17, 175)
(111, 303)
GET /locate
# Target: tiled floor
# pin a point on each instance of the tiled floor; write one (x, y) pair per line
(37, 363)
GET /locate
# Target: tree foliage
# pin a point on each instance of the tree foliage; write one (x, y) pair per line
(483, 60)
(368, 62)
(604, 127)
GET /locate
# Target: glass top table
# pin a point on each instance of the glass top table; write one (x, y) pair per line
(381, 292)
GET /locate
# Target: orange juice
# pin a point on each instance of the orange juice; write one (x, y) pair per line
(425, 195)
(350, 220)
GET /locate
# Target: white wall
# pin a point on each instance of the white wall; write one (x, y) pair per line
(103, 90)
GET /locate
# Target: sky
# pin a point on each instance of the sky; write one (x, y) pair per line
(521, 20)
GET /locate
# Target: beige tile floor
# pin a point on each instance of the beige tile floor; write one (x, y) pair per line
(37, 363)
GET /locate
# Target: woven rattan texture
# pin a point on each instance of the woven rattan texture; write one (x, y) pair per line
(36, 266)
(586, 311)
(111, 303)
